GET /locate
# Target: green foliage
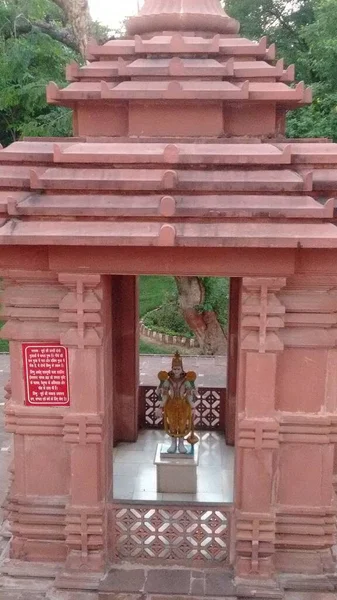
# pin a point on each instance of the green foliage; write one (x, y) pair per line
(305, 34)
(27, 64)
(168, 318)
(282, 21)
(152, 291)
(317, 120)
(4, 346)
(29, 59)
(216, 298)
(149, 348)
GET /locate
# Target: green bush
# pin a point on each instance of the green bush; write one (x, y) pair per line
(168, 318)
(216, 298)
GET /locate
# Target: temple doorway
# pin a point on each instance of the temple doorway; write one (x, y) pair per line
(134, 471)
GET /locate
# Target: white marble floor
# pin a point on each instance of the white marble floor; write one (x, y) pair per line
(135, 473)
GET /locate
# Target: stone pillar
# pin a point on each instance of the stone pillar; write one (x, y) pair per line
(125, 319)
(85, 309)
(62, 455)
(232, 359)
(39, 491)
(262, 317)
(307, 404)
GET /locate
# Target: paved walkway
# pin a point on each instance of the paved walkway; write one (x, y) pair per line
(211, 370)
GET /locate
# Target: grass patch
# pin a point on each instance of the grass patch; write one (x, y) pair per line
(168, 319)
(148, 348)
(4, 345)
(152, 292)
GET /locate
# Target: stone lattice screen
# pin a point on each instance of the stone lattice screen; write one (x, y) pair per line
(155, 532)
(209, 408)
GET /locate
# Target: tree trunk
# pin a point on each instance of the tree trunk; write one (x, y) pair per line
(78, 16)
(204, 324)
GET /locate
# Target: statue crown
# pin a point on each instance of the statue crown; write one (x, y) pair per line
(177, 361)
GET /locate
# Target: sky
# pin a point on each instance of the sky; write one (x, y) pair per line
(112, 12)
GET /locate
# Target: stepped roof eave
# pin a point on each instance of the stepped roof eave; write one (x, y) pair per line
(264, 198)
(178, 43)
(224, 235)
(174, 90)
(35, 204)
(180, 67)
(248, 193)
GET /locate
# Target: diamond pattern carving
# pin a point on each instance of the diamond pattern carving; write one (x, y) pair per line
(156, 532)
(208, 409)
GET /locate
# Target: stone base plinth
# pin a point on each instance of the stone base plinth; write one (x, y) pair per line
(176, 473)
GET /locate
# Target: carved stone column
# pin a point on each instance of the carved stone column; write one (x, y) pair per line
(86, 311)
(61, 453)
(39, 490)
(262, 317)
(307, 406)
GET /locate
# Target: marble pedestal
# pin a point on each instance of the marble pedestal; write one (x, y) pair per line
(176, 473)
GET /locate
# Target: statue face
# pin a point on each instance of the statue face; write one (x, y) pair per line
(177, 372)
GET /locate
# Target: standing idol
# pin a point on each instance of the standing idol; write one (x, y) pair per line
(177, 393)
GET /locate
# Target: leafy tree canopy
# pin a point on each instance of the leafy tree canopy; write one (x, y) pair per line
(36, 44)
(305, 34)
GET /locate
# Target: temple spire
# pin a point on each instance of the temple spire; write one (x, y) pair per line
(182, 15)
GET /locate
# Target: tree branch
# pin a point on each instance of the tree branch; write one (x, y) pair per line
(78, 15)
(63, 35)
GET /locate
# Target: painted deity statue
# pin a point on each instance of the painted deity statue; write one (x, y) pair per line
(177, 392)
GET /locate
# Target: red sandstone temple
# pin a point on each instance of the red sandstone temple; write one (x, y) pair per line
(179, 165)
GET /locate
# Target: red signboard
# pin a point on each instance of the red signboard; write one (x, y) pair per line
(46, 374)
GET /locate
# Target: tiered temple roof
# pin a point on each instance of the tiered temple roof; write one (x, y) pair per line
(179, 141)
